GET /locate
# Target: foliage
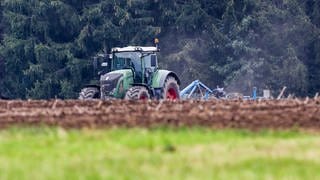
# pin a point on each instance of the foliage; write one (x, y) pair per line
(47, 46)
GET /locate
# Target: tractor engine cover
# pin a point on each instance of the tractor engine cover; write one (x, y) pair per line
(109, 84)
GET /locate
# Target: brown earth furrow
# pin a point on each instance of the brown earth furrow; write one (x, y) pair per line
(277, 114)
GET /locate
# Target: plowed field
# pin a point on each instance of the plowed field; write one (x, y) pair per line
(283, 114)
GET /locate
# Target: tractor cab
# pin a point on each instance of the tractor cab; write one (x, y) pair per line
(141, 60)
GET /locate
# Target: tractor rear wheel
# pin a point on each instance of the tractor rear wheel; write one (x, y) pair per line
(171, 89)
(89, 93)
(137, 93)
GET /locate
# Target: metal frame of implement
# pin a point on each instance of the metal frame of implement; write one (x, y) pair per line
(205, 91)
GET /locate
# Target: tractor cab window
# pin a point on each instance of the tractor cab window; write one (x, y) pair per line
(122, 63)
(134, 60)
(151, 62)
(126, 60)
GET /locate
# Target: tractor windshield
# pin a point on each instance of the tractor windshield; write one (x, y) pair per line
(125, 60)
(134, 60)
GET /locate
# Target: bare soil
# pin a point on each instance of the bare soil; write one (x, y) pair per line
(254, 115)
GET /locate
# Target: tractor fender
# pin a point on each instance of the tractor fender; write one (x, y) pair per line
(160, 77)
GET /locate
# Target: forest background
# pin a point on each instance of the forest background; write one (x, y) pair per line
(46, 46)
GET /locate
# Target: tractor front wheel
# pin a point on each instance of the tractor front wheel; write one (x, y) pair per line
(137, 93)
(171, 89)
(89, 93)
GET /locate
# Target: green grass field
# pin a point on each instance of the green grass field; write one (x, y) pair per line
(197, 153)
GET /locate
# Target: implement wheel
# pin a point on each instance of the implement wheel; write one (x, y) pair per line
(171, 89)
(137, 93)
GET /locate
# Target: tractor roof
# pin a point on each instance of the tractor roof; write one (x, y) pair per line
(136, 49)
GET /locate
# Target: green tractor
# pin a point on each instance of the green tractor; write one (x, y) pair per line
(132, 73)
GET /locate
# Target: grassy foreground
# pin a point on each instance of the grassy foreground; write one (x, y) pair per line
(46, 153)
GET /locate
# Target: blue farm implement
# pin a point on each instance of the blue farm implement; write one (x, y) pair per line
(198, 90)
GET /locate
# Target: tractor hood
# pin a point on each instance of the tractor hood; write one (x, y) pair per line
(110, 83)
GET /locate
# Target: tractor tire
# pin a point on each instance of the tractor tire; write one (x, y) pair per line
(137, 93)
(171, 89)
(89, 93)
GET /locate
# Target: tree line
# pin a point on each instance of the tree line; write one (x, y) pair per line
(47, 45)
